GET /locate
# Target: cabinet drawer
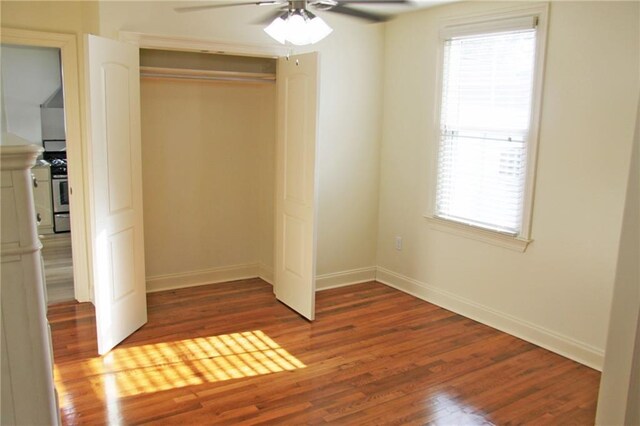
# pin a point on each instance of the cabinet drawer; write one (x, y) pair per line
(42, 199)
(42, 174)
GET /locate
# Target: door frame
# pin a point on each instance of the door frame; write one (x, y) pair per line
(188, 44)
(155, 41)
(76, 148)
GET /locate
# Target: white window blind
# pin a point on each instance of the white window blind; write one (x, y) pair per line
(484, 126)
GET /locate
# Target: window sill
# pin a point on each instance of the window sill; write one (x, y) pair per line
(495, 238)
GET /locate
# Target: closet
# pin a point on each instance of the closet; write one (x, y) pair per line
(208, 126)
(209, 188)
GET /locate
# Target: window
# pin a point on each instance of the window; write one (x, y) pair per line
(488, 114)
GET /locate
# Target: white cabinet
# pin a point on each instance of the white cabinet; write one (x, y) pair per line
(28, 394)
(42, 198)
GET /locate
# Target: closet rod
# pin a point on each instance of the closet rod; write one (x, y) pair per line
(190, 74)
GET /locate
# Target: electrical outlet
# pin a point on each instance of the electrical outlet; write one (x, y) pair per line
(398, 243)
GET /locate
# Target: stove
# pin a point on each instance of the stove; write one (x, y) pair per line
(58, 161)
(55, 152)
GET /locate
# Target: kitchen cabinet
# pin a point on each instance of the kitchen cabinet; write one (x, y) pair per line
(42, 197)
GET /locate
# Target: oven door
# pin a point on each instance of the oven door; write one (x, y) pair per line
(60, 187)
(61, 222)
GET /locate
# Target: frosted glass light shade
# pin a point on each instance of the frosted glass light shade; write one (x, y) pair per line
(298, 27)
(317, 29)
(277, 30)
(296, 30)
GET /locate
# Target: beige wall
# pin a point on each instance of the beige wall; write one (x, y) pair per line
(75, 17)
(619, 396)
(558, 292)
(205, 187)
(55, 16)
(349, 116)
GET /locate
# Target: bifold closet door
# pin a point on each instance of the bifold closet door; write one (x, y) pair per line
(116, 190)
(295, 255)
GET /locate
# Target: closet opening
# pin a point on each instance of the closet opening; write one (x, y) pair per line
(208, 124)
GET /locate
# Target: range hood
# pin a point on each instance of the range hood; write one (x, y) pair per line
(56, 100)
(52, 117)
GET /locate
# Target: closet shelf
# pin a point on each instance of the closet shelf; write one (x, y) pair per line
(192, 74)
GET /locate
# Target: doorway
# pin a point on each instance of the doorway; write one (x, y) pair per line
(117, 197)
(253, 189)
(33, 109)
(208, 163)
(63, 47)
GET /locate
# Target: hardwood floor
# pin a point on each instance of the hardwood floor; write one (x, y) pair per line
(231, 354)
(58, 267)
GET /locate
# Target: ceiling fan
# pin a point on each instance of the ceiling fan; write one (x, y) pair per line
(295, 23)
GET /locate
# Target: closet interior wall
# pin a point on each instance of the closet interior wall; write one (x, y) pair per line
(208, 170)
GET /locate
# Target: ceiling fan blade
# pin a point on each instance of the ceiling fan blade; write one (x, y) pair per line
(228, 4)
(328, 4)
(357, 13)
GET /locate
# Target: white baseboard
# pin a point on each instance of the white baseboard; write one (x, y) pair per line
(257, 270)
(202, 277)
(345, 278)
(265, 272)
(555, 342)
(548, 339)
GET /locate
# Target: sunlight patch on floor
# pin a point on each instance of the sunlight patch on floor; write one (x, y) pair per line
(446, 409)
(168, 365)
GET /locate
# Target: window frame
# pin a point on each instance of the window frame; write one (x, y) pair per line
(485, 23)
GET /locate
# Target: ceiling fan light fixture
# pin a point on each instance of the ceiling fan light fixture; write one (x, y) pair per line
(298, 27)
(277, 30)
(297, 32)
(318, 29)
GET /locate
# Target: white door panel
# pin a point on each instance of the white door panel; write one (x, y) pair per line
(296, 181)
(116, 190)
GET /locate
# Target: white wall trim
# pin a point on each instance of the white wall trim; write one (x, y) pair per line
(566, 346)
(252, 270)
(202, 277)
(156, 41)
(488, 236)
(345, 278)
(265, 273)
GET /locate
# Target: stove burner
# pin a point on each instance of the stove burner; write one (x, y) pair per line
(58, 161)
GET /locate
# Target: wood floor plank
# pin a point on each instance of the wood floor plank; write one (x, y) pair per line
(231, 354)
